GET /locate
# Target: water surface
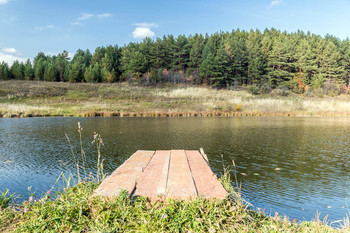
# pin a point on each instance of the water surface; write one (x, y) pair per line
(295, 166)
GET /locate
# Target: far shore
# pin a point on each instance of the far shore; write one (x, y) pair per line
(185, 114)
(48, 99)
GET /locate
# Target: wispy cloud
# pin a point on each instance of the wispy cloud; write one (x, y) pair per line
(3, 2)
(45, 27)
(76, 23)
(275, 2)
(148, 25)
(104, 15)
(86, 16)
(9, 50)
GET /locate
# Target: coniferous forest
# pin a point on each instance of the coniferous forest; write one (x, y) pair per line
(298, 61)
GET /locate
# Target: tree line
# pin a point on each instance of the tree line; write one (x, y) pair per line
(297, 60)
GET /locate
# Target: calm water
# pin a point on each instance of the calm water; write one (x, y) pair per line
(312, 155)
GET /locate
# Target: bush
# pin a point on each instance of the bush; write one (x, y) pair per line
(308, 92)
(331, 88)
(265, 88)
(254, 90)
(282, 91)
(318, 92)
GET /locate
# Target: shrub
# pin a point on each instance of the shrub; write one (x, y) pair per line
(265, 88)
(282, 91)
(308, 92)
(254, 90)
(331, 88)
(318, 92)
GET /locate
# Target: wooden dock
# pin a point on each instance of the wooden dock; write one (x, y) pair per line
(161, 174)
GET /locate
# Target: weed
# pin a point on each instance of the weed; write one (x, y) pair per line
(5, 199)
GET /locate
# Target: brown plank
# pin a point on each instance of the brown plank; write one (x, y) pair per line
(152, 182)
(206, 182)
(203, 154)
(125, 177)
(180, 182)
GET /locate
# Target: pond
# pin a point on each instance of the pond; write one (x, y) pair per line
(295, 166)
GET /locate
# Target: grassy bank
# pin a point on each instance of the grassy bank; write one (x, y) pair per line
(76, 210)
(29, 98)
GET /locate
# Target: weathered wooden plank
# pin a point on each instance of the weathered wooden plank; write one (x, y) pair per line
(180, 182)
(125, 177)
(161, 189)
(204, 155)
(152, 182)
(206, 182)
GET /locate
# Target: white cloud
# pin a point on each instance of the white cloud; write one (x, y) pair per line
(45, 27)
(3, 2)
(275, 2)
(9, 59)
(9, 50)
(87, 16)
(142, 32)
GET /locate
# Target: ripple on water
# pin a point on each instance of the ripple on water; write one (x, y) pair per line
(311, 154)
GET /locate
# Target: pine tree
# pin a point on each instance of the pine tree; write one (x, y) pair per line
(158, 55)
(207, 68)
(106, 76)
(181, 53)
(17, 70)
(281, 61)
(196, 51)
(255, 59)
(61, 63)
(305, 65)
(51, 73)
(345, 61)
(235, 46)
(28, 71)
(76, 73)
(133, 62)
(4, 71)
(220, 77)
(327, 58)
(39, 69)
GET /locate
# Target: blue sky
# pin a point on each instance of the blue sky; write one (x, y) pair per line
(29, 27)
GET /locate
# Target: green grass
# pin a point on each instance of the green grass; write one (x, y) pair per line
(33, 98)
(76, 210)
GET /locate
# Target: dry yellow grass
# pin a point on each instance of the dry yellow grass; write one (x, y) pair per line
(25, 98)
